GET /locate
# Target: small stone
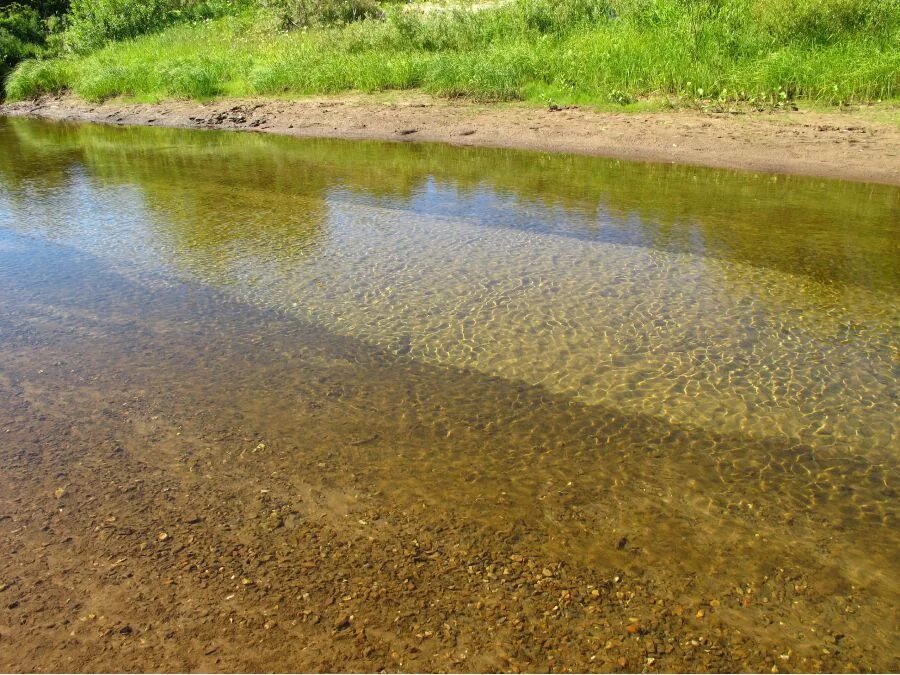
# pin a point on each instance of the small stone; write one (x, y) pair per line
(595, 593)
(273, 521)
(162, 536)
(268, 625)
(700, 613)
(59, 492)
(546, 572)
(343, 623)
(246, 582)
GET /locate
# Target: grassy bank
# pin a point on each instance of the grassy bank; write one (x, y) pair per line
(603, 51)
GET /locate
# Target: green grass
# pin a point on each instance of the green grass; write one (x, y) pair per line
(831, 51)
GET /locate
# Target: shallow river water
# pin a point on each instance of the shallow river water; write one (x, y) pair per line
(671, 371)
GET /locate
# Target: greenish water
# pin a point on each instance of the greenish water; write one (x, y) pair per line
(712, 356)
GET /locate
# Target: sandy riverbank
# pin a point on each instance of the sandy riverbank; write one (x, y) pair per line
(861, 146)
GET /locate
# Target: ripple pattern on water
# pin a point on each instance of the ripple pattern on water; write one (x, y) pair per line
(564, 350)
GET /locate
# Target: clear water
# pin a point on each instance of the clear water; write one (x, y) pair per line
(704, 360)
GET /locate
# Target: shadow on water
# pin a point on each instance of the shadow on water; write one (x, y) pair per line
(295, 310)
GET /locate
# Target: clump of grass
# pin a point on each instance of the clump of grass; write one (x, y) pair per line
(606, 51)
(34, 77)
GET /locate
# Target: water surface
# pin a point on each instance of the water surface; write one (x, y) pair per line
(705, 362)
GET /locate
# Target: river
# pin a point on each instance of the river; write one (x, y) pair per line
(671, 391)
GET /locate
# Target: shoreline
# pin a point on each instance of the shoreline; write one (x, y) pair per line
(834, 145)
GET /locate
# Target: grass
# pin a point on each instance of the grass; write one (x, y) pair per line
(615, 51)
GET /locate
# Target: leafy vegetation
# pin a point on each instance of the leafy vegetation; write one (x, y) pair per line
(307, 13)
(606, 51)
(94, 23)
(26, 28)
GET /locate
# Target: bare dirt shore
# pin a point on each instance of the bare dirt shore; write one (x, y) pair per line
(863, 145)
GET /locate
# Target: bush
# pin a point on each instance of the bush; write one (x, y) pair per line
(563, 16)
(307, 13)
(822, 22)
(21, 35)
(93, 23)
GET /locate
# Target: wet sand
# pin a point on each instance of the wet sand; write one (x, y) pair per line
(858, 146)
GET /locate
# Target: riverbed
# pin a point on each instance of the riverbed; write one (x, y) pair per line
(312, 404)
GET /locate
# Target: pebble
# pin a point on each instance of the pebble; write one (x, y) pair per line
(162, 536)
(273, 521)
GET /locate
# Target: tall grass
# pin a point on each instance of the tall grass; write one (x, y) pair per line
(570, 50)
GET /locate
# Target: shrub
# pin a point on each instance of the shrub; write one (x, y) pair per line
(21, 35)
(307, 13)
(563, 16)
(93, 23)
(822, 22)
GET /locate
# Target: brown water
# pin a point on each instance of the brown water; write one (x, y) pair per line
(569, 351)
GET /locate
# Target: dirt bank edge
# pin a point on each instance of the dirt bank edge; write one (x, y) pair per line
(840, 145)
